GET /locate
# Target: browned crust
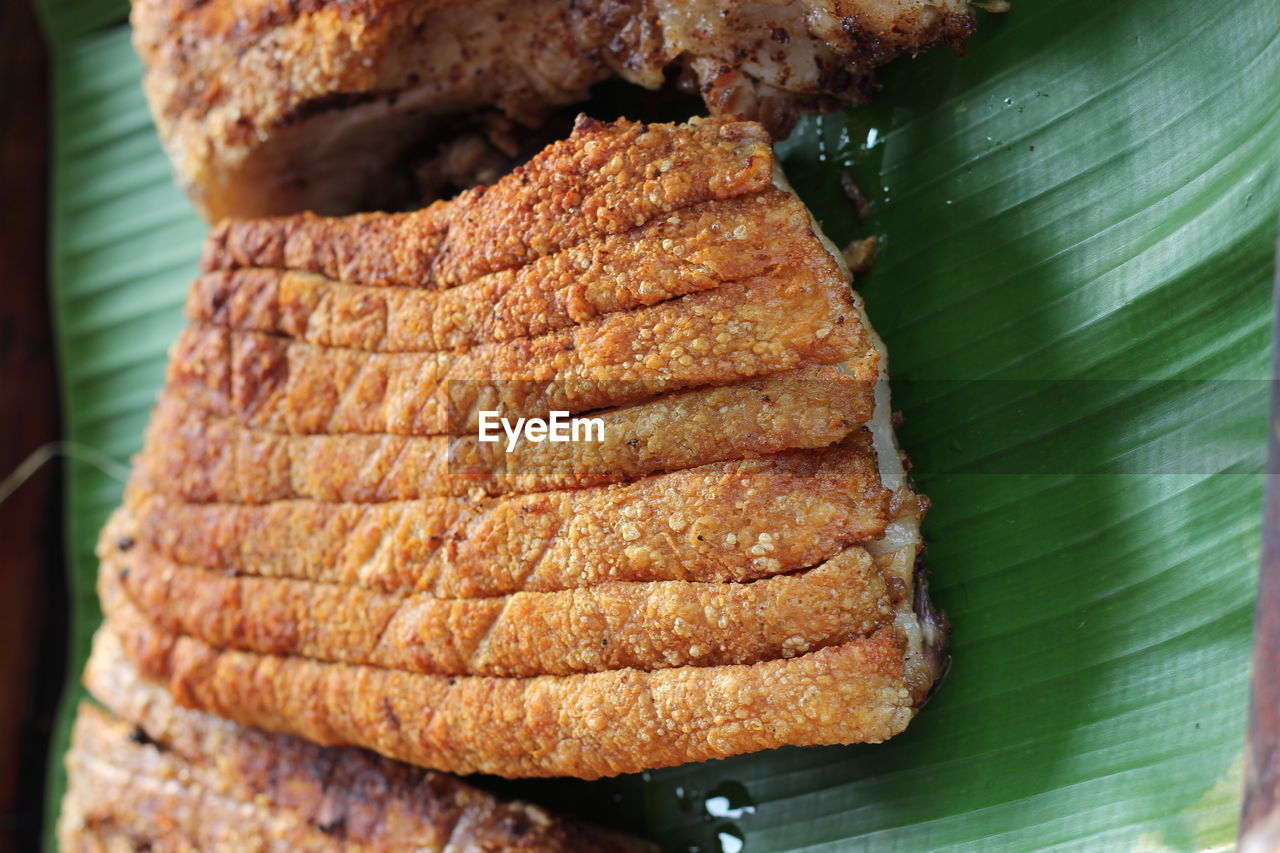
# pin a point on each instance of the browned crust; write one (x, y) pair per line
(737, 331)
(685, 252)
(728, 521)
(169, 776)
(604, 179)
(197, 457)
(588, 725)
(643, 626)
(581, 681)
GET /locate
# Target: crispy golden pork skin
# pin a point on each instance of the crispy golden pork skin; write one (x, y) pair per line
(289, 386)
(727, 521)
(316, 540)
(201, 457)
(579, 217)
(604, 179)
(146, 774)
(587, 725)
(686, 251)
(607, 626)
(268, 107)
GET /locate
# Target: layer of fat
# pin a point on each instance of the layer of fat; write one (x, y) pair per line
(895, 552)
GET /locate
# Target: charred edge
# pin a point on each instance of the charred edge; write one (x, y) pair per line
(950, 29)
(140, 737)
(584, 124)
(957, 28)
(935, 631)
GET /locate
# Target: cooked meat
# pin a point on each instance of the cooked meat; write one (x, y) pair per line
(588, 725)
(798, 311)
(686, 251)
(700, 524)
(201, 457)
(155, 776)
(609, 626)
(271, 107)
(316, 541)
(737, 331)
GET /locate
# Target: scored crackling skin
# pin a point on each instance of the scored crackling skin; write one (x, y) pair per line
(200, 457)
(585, 725)
(609, 626)
(727, 521)
(681, 252)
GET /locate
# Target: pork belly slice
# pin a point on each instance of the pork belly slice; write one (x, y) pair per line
(586, 725)
(151, 775)
(734, 332)
(727, 521)
(686, 251)
(273, 108)
(199, 457)
(643, 626)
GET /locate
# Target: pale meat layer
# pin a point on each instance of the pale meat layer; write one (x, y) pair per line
(160, 775)
(588, 725)
(269, 107)
(727, 521)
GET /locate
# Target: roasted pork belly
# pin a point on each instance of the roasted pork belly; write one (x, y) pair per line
(269, 107)
(317, 541)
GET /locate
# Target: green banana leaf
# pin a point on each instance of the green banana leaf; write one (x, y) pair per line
(1077, 228)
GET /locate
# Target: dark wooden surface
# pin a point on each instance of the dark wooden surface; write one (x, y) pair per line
(1260, 815)
(32, 579)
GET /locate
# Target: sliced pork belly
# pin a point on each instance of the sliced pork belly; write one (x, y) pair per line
(316, 541)
(144, 774)
(269, 107)
(807, 505)
(202, 457)
(738, 331)
(587, 725)
(685, 251)
(592, 629)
